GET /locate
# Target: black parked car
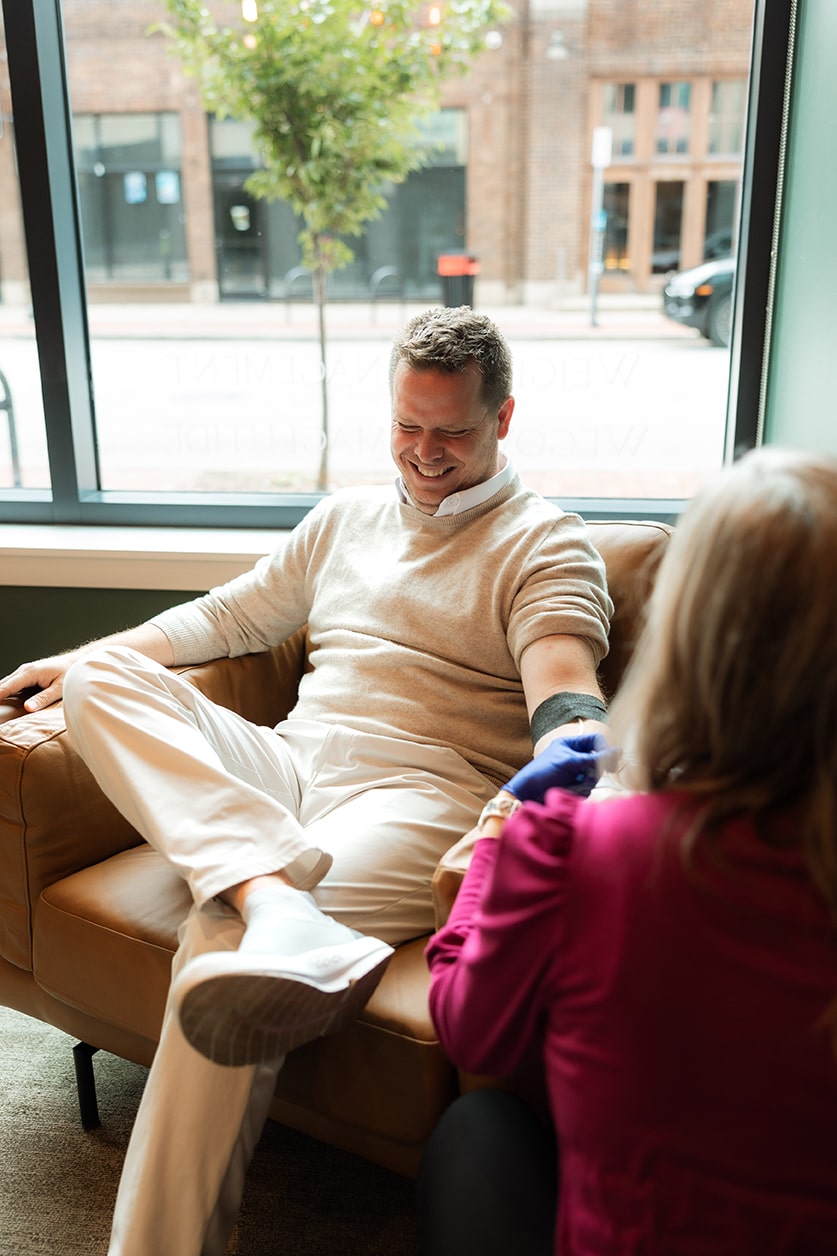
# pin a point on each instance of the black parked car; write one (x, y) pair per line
(702, 298)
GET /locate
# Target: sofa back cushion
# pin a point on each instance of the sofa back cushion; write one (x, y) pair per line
(632, 552)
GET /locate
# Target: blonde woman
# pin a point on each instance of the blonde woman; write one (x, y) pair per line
(672, 951)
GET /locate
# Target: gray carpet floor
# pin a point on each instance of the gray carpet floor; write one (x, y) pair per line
(58, 1182)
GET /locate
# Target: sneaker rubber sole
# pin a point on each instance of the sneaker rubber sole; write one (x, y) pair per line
(238, 1009)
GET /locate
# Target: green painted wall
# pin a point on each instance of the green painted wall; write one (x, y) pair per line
(801, 409)
(35, 623)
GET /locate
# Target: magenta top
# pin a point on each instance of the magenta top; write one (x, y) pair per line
(678, 1011)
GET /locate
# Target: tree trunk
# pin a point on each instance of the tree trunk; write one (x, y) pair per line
(319, 280)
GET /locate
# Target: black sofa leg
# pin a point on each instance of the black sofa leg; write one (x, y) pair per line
(86, 1085)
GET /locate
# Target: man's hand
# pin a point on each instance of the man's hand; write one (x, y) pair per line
(44, 675)
(47, 675)
(571, 763)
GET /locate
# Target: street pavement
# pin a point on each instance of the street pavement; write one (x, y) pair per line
(617, 316)
(227, 397)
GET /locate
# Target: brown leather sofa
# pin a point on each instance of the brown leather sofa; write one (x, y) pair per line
(89, 912)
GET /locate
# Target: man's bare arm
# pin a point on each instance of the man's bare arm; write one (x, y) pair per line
(47, 675)
(560, 664)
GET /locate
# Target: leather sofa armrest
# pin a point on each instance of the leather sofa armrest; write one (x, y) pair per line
(449, 875)
(54, 819)
(11, 709)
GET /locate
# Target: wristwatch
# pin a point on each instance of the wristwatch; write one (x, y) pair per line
(502, 806)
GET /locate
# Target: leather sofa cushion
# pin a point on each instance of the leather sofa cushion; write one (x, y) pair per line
(104, 939)
(632, 552)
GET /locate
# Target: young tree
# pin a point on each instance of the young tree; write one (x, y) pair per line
(335, 92)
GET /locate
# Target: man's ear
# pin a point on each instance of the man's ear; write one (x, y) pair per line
(504, 415)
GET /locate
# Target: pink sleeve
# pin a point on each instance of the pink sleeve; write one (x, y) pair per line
(490, 964)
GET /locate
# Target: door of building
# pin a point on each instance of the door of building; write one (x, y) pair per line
(240, 240)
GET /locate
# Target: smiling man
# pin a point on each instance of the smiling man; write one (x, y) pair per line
(445, 429)
(451, 623)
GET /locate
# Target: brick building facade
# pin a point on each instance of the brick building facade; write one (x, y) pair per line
(667, 76)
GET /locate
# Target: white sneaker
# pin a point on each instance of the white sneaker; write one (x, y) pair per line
(246, 1007)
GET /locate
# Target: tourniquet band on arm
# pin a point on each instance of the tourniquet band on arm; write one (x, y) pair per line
(562, 708)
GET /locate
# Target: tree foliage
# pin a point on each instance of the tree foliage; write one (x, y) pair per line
(335, 93)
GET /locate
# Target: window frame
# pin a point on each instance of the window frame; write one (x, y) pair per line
(43, 136)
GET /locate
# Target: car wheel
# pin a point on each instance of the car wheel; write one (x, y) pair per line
(719, 320)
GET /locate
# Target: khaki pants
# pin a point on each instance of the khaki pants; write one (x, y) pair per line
(223, 801)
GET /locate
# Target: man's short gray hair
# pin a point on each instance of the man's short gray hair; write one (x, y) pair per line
(450, 340)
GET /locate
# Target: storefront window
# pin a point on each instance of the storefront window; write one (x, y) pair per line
(617, 211)
(397, 256)
(668, 221)
(726, 116)
(618, 114)
(674, 119)
(131, 194)
(721, 218)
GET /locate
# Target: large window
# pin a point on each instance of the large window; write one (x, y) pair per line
(178, 378)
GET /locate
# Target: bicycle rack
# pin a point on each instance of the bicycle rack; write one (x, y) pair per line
(293, 277)
(7, 404)
(385, 276)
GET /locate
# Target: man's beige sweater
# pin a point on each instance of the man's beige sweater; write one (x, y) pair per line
(417, 623)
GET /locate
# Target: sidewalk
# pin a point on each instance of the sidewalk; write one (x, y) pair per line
(618, 317)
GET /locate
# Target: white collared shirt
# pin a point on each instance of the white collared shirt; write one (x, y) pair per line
(468, 497)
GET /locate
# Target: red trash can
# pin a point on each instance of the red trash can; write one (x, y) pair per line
(457, 272)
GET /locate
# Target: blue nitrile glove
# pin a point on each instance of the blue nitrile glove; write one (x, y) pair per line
(572, 763)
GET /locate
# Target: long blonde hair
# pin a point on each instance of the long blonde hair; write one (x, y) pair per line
(732, 693)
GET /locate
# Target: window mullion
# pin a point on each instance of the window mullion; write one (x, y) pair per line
(34, 40)
(760, 206)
